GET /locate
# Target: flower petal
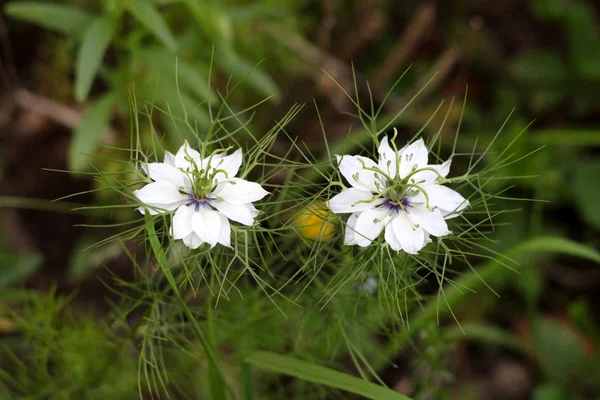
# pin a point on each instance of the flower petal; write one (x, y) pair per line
(429, 177)
(192, 241)
(239, 191)
(411, 237)
(169, 159)
(161, 194)
(353, 169)
(350, 232)
(224, 232)
(165, 172)
(369, 225)
(182, 222)
(450, 202)
(227, 166)
(187, 158)
(391, 238)
(236, 212)
(252, 210)
(388, 158)
(207, 225)
(431, 221)
(412, 157)
(352, 200)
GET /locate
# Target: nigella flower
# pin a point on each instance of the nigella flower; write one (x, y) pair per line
(203, 192)
(400, 194)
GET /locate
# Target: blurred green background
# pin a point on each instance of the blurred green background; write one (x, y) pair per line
(68, 72)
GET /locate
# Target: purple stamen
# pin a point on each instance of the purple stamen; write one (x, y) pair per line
(197, 203)
(397, 206)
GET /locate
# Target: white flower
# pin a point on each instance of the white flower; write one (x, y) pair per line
(400, 194)
(204, 194)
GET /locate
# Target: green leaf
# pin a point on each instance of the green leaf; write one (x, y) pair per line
(60, 18)
(559, 350)
(149, 16)
(495, 275)
(96, 40)
(249, 74)
(167, 65)
(567, 137)
(586, 190)
(212, 21)
(484, 333)
(539, 68)
(321, 375)
(550, 9)
(583, 317)
(544, 99)
(549, 391)
(16, 266)
(246, 382)
(89, 132)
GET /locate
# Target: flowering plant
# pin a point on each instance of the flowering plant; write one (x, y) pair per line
(400, 194)
(203, 192)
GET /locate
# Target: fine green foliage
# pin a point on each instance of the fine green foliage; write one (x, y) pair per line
(289, 310)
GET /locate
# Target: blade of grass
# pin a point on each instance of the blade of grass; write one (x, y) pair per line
(246, 382)
(495, 274)
(321, 375)
(88, 135)
(96, 39)
(161, 257)
(60, 18)
(148, 15)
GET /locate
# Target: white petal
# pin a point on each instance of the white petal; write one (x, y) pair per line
(207, 225)
(192, 241)
(431, 221)
(414, 156)
(350, 233)
(165, 172)
(450, 202)
(352, 200)
(169, 158)
(391, 238)
(353, 169)
(411, 238)
(429, 177)
(182, 222)
(239, 191)
(161, 194)
(227, 166)
(187, 158)
(236, 212)
(369, 225)
(388, 158)
(225, 232)
(252, 210)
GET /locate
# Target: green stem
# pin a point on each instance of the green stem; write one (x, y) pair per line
(217, 385)
(162, 261)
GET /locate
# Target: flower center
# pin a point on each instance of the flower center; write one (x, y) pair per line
(397, 205)
(398, 197)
